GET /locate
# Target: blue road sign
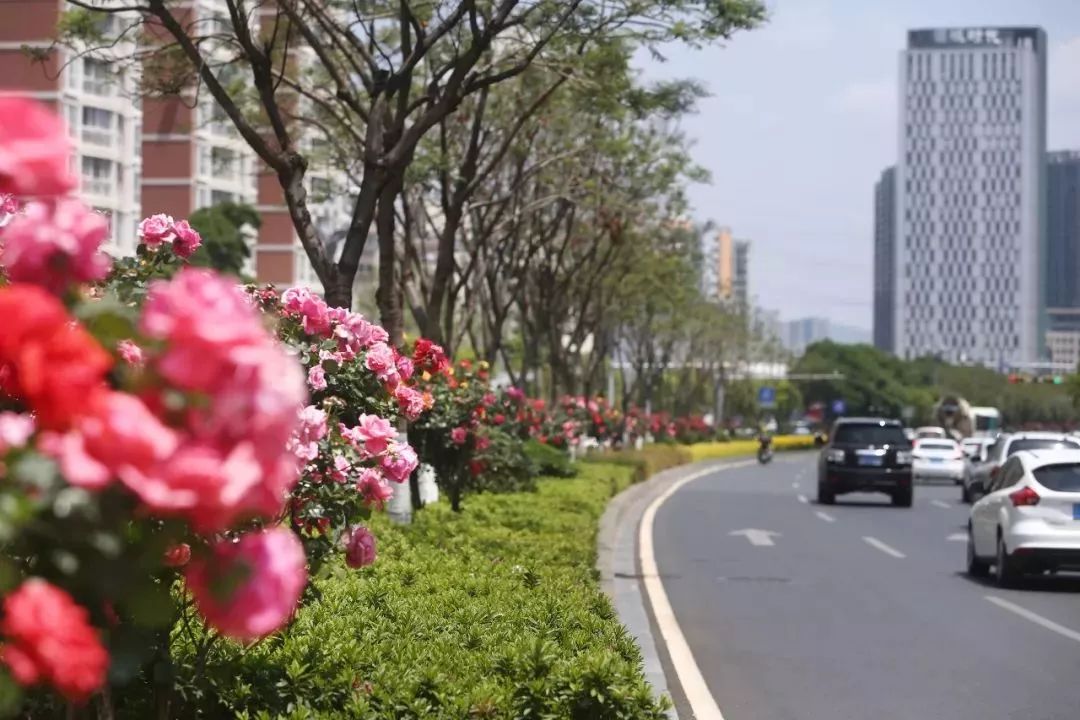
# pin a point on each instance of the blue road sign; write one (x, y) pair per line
(838, 407)
(766, 397)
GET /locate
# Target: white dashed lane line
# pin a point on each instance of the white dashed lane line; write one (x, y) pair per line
(803, 499)
(887, 549)
(940, 504)
(825, 516)
(1034, 617)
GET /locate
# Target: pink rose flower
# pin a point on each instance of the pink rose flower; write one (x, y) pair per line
(515, 393)
(355, 334)
(316, 377)
(77, 466)
(187, 239)
(55, 245)
(131, 353)
(199, 484)
(359, 546)
(250, 588)
(15, 430)
(217, 345)
(156, 229)
(459, 435)
(293, 299)
(380, 360)
(411, 401)
(34, 150)
(315, 317)
(311, 430)
(373, 488)
(373, 434)
(121, 437)
(399, 461)
(340, 472)
(405, 367)
(9, 207)
(482, 443)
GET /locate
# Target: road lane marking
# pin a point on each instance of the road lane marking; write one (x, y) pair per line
(803, 499)
(758, 538)
(940, 504)
(825, 516)
(702, 703)
(957, 537)
(1034, 617)
(888, 550)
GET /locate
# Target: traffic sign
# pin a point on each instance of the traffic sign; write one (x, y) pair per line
(838, 407)
(766, 396)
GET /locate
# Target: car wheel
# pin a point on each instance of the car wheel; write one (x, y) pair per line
(975, 567)
(1006, 570)
(902, 498)
(825, 497)
(965, 495)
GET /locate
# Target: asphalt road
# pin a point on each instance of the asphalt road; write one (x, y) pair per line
(857, 611)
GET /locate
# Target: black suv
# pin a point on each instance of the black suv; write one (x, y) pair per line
(866, 455)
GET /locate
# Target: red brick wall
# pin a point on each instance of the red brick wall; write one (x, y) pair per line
(274, 266)
(28, 20)
(167, 159)
(171, 200)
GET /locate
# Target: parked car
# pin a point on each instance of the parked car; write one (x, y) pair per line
(1029, 521)
(866, 455)
(935, 459)
(982, 474)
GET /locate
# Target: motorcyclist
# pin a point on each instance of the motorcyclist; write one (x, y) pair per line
(764, 440)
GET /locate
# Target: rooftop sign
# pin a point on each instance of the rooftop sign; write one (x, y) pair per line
(974, 37)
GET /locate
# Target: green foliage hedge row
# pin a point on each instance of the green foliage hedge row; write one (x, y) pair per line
(645, 462)
(491, 613)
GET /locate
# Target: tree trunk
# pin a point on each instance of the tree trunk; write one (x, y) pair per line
(387, 296)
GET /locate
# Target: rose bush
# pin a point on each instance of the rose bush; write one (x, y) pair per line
(172, 446)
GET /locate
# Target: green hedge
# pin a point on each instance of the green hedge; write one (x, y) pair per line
(492, 613)
(645, 462)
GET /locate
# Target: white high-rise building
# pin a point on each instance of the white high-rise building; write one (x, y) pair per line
(970, 186)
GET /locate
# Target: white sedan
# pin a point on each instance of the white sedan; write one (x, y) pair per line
(934, 459)
(1030, 519)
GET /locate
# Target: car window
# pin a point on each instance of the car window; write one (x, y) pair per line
(869, 434)
(1063, 478)
(1010, 474)
(1041, 444)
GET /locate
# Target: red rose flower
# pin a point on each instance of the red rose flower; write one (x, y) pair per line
(49, 639)
(50, 363)
(178, 555)
(428, 356)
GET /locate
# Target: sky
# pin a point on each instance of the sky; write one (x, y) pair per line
(802, 118)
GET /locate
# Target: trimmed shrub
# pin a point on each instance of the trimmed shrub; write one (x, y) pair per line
(549, 461)
(742, 448)
(494, 613)
(645, 462)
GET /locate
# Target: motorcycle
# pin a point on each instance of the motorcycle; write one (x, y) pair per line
(765, 453)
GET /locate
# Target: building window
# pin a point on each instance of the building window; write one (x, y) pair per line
(97, 78)
(97, 126)
(97, 176)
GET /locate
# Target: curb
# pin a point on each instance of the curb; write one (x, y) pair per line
(620, 576)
